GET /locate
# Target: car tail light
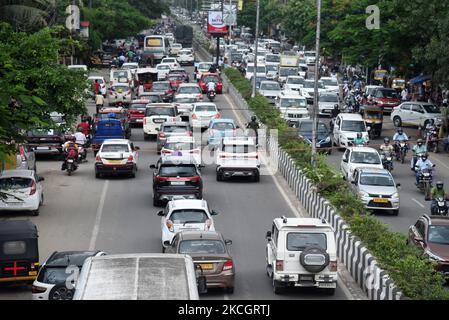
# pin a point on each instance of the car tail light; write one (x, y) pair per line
(161, 179)
(161, 135)
(222, 156)
(22, 154)
(130, 158)
(253, 157)
(33, 188)
(194, 116)
(279, 265)
(195, 179)
(208, 224)
(217, 116)
(228, 265)
(37, 289)
(333, 266)
(98, 158)
(166, 151)
(169, 224)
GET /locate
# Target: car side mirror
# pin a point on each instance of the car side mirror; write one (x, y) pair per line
(161, 213)
(345, 160)
(228, 242)
(214, 213)
(268, 235)
(167, 243)
(398, 185)
(152, 166)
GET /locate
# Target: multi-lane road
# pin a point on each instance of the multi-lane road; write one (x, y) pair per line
(116, 215)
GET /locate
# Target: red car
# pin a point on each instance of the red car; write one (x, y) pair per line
(385, 98)
(137, 111)
(175, 79)
(211, 77)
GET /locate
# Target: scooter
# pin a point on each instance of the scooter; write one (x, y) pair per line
(440, 209)
(387, 161)
(401, 151)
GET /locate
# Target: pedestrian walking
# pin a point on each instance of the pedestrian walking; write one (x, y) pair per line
(99, 102)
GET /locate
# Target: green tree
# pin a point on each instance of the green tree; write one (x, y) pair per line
(26, 15)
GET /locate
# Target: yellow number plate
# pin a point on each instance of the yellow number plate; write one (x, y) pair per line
(378, 200)
(207, 266)
(114, 161)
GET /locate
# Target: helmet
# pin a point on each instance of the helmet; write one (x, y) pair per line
(253, 118)
(439, 184)
(419, 141)
(400, 131)
(386, 140)
(424, 156)
(359, 134)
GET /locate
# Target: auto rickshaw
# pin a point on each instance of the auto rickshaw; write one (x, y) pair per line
(19, 253)
(379, 75)
(398, 84)
(373, 116)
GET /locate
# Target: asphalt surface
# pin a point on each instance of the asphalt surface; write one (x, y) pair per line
(116, 215)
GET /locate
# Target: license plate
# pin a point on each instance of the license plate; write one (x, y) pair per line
(139, 120)
(13, 204)
(177, 183)
(158, 120)
(318, 145)
(114, 161)
(70, 161)
(43, 148)
(207, 266)
(327, 285)
(306, 278)
(379, 200)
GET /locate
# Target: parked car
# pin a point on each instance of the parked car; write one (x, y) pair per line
(22, 190)
(430, 234)
(415, 114)
(359, 157)
(210, 251)
(377, 189)
(52, 279)
(301, 252)
(185, 214)
(46, 141)
(25, 157)
(116, 156)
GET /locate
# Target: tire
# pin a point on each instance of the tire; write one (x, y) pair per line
(97, 175)
(397, 121)
(35, 212)
(163, 249)
(317, 251)
(42, 199)
(277, 287)
(69, 172)
(219, 176)
(256, 177)
(156, 202)
(229, 290)
(395, 212)
(60, 292)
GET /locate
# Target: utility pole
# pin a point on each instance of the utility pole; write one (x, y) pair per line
(315, 94)
(256, 44)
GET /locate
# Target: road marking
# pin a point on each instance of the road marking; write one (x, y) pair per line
(419, 203)
(226, 297)
(440, 162)
(96, 228)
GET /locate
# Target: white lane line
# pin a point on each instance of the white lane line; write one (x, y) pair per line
(226, 297)
(419, 203)
(440, 162)
(96, 228)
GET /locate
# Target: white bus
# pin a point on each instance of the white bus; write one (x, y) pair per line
(157, 46)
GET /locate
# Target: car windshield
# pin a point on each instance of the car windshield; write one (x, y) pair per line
(250, 69)
(272, 58)
(176, 45)
(208, 79)
(105, 115)
(271, 67)
(139, 106)
(270, 86)
(177, 171)
(54, 275)
(179, 146)
(353, 126)
(222, 126)
(15, 183)
(160, 86)
(329, 98)
(439, 234)
(330, 82)
(174, 129)
(120, 74)
(202, 246)
(383, 180)
(239, 148)
(295, 80)
(169, 60)
(189, 89)
(284, 72)
(159, 111)
(183, 216)
(115, 148)
(176, 77)
(206, 108)
(163, 67)
(365, 157)
(44, 132)
(184, 99)
(295, 103)
(430, 108)
(204, 66)
(307, 127)
(389, 94)
(311, 84)
(298, 241)
(261, 70)
(185, 52)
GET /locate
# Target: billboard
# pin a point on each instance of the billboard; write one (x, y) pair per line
(215, 23)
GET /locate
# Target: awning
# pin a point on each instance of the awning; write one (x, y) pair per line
(419, 79)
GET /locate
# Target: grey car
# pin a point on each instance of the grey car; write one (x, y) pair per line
(26, 159)
(270, 90)
(171, 129)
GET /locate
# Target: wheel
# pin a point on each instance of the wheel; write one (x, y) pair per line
(133, 173)
(229, 290)
(35, 168)
(35, 212)
(256, 177)
(329, 291)
(42, 199)
(69, 172)
(277, 287)
(97, 175)
(397, 121)
(395, 212)
(60, 292)
(163, 249)
(219, 176)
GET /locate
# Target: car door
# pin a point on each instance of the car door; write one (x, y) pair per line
(345, 162)
(417, 115)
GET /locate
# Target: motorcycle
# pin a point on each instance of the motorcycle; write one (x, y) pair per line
(387, 161)
(82, 153)
(440, 208)
(401, 151)
(425, 182)
(211, 95)
(432, 139)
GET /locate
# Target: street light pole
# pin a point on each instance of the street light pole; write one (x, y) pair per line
(256, 44)
(230, 25)
(315, 94)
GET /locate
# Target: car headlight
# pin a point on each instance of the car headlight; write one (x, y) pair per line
(395, 195)
(327, 140)
(433, 256)
(363, 194)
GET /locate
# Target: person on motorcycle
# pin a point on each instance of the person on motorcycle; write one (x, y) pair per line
(418, 149)
(80, 137)
(422, 164)
(70, 149)
(437, 192)
(386, 147)
(399, 136)
(359, 141)
(253, 124)
(210, 87)
(213, 68)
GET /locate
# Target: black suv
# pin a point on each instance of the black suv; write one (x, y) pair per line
(174, 179)
(46, 141)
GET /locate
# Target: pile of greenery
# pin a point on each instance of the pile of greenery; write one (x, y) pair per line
(412, 272)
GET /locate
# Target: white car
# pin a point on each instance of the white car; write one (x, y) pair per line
(272, 71)
(270, 90)
(301, 252)
(101, 81)
(359, 157)
(179, 215)
(292, 106)
(294, 83)
(346, 127)
(155, 115)
(331, 84)
(192, 90)
(172, 62)
(308, 89)
(51, 281)
(119, 93)
(415, 114)
(202, 113)
(186, 57)
(78, 67)
(261, 71)
(327, 102)
(120, 76)
(182, 150)
(116, 156)
(175, 48)
(203, 67)
(237, 157)
(162, 70)
(184, 104)
(131, 66)
(23, 191)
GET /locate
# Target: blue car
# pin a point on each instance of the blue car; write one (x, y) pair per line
(220, 128)
(324, 140)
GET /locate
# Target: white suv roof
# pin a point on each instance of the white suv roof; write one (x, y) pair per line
(115, 141)
(350, 116)
(284, 222)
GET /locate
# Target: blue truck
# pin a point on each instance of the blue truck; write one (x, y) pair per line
(107, 129)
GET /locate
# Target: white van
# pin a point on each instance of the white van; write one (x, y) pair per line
(156, 45)
(346, 127)
(120, 76)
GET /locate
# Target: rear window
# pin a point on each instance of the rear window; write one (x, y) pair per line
(160, 86)
(120, 88)
(389, 94)
(240, 148)
(52, 275)
(209, 108)
(14, 247)
(298, 241)
(15, 183)
(106, 115)
(119, 74)
(174, 129)
(202, 246)
(184, 100)
(223, 126)
(177, 171)
(115, 148)
(189, 90)
(160, 111)
(139, 106)
(179, 146)
(365, 157)
(188, 216)
(208, 79)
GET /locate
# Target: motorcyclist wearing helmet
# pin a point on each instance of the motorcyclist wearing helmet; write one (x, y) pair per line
(422, 164)
(418, 149)
(437, 192)
(70, 149)
(386, 147)
(359, 141)
(253, 124)
(400, 136)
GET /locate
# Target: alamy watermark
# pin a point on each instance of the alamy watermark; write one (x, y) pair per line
(373, 21)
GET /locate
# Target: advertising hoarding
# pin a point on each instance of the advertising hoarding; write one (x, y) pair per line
(215, 23)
